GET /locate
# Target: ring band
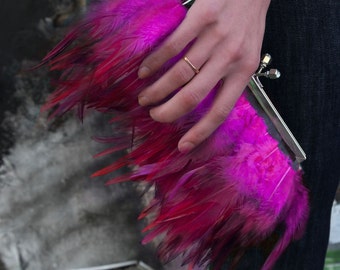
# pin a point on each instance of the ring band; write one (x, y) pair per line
(195, 69)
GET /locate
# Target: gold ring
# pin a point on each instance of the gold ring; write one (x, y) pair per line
(195, 69)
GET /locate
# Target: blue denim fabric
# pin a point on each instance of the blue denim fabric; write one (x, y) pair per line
(303, 38)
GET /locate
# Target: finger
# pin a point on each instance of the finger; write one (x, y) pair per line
(175, 78)
(181, 73)
(186, 32)
(189, 96)
(223, 104)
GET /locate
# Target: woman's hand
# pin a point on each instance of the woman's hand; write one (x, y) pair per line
(228, 37)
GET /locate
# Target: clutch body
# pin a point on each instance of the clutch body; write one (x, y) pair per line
(239, 188)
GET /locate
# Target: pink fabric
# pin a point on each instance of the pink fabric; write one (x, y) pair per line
(229, 194)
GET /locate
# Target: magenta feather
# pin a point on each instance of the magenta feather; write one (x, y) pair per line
(231, 193)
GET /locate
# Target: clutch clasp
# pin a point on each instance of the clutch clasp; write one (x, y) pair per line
(257, 89)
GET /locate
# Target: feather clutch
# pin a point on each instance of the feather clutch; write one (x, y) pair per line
(233, 192)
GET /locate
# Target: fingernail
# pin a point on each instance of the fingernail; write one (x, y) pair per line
(185, 147)
(143, 100)
(143, 72)
(152, 113)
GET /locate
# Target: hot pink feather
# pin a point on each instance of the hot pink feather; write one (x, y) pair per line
(231, 193)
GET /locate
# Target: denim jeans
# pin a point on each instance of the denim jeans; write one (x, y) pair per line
(303, 38)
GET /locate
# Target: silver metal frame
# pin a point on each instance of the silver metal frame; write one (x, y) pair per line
(262, 98)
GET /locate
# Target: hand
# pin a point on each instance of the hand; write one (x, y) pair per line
(228, 37)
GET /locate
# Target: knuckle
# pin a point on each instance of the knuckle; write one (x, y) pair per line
(247, 61)
(219, 32)
(235, 52)
(210, 13)
(190, 100)
(230, 55)
(251, 63)
(220, 114)
(182, 73)
(171, 48)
